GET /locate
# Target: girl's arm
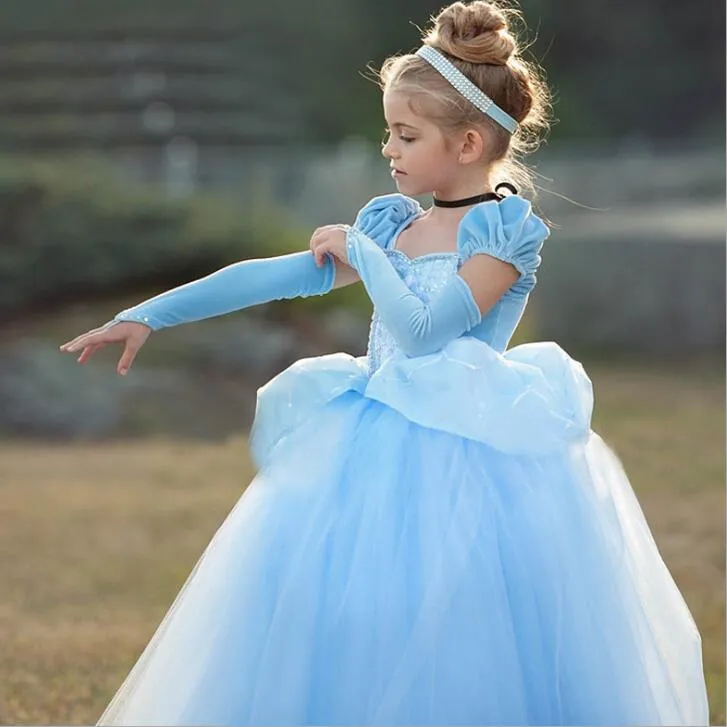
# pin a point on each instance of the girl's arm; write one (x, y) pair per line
(345, 274)
(235, 287)
(421, 328)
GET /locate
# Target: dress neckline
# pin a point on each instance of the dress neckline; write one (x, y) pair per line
(437, 253)
(425, 256)
(405, 226)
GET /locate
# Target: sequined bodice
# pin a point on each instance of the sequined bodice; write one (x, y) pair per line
(425, 276)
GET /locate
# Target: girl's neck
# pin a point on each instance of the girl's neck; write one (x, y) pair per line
(465, 190)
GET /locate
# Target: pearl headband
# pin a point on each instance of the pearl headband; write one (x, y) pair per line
(469, 90)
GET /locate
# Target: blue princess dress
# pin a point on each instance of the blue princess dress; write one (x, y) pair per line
(429, 540)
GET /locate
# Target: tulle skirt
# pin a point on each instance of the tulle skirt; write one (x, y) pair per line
(380, 571)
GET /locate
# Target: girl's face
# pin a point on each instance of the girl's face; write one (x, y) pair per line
(421, 160)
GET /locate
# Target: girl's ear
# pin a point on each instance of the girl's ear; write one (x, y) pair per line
(471, 146)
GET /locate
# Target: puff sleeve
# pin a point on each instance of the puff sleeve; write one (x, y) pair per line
(509, 231)
(382, 217)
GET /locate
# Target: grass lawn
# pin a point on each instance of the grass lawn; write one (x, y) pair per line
(95, 540)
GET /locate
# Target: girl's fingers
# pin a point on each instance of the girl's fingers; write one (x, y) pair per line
(80, 343)
(320, 254)
(314, 249)
(88, 351)
(83, 337)
(317, 235)
(320, 234)
(127, 358)
(67, 345)
(96, 335)
(318, 248)
(90, 339)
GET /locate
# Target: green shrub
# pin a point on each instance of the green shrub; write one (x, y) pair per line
(73, 233)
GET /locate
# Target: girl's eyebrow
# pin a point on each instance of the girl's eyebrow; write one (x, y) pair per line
(400, 126)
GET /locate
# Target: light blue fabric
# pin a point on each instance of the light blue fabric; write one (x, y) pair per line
(418, 327)
(237, 286)
(385, 216)
(429, 540)
(507, 230)
(377, 572)
(535, 400)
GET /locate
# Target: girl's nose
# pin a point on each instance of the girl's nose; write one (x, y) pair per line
(386, 150)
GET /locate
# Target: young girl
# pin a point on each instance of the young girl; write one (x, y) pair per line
(434, 536)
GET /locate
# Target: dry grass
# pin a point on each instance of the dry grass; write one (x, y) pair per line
(95, 540)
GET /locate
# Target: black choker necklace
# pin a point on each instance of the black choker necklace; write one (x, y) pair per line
(486, 197)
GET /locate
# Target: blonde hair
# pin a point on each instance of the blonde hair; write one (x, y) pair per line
(476, 37)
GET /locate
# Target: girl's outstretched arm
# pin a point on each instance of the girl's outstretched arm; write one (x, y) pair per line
(232, 288)
(235, 287)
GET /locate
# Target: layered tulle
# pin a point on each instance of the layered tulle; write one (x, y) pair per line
(381, 571)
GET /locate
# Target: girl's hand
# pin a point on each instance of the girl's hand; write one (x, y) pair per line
(132, 335)
(329, 240)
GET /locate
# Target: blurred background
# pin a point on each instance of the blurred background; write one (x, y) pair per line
(144, 144)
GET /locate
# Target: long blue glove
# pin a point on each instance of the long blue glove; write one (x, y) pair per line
(419, 328)
(237, 286)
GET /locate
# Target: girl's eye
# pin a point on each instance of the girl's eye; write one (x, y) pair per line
(387, 136)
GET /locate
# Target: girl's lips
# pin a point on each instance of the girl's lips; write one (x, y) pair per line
(397, 173)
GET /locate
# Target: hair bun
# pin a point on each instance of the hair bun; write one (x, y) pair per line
(476, 32)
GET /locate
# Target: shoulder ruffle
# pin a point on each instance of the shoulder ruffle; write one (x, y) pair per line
(508, 230)
(383, 216)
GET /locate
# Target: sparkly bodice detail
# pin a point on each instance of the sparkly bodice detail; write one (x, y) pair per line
(425, 276)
